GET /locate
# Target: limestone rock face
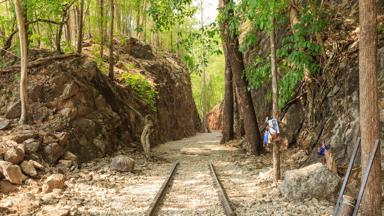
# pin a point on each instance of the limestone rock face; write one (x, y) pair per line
(74, 107)
(54, 181)
(122, 163)
(215, 117)
(314, 181)
(11, 172)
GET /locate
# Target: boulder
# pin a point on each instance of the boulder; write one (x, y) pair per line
(63, 166)
(55, 181)
(37, 165)
(14, 154)
(23, 135)
(13, 111)
(11, 172)
(53, 211)
(6, 187)
(69, 156)
(31, 146)
(53, 152)
(28, 168)
(122, 163)
(4, 124)
(313, 181)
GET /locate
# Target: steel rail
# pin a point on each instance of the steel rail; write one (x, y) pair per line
(221, 192)
(159, 196)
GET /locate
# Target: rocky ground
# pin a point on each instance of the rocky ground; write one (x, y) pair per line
(95, 189)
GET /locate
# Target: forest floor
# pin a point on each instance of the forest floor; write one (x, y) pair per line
(94, 189)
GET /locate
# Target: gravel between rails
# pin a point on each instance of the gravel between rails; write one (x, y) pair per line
(94, 189)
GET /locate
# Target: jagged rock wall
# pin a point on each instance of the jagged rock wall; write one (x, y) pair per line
(215, 117)
(71, 96)
(176, 116)
(335, 88)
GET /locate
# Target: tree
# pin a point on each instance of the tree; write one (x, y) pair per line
(80, 31)
(228, 110)
(369, 114)
(204, 85)
(101, 28)
(275, 107)
(23, 63)
(231, 41)
(111, 60)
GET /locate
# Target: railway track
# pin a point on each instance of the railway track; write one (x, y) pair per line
(155, 205)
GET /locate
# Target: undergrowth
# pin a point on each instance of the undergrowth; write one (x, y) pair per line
(144, 89)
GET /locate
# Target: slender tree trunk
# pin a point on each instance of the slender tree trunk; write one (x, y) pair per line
(228, 112)
(275, 96)
(101, 28)
(138, 33)
(80, 31)
(64, 20)
(369, 113)
(23, 63)
(252, 132)
(88, 14)
(204, 84)
(111, 60)
(145, 21)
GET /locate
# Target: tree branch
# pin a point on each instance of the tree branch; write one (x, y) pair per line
(38, 62)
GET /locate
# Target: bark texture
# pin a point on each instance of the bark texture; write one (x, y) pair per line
(111, 63)
(228, 112)
(80, 31)
(101, 26)
(252, 132)
(369, 115)
(23, 62)
(275, 98)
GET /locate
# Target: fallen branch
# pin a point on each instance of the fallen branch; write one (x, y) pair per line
(38, 62)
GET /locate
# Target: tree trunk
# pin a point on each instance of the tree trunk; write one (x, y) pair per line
(111, 61)
(138, 33)
(23, 62)
(275, 107)
(369, 113)
(238, 122)
(252, 132)
(145, 21)
(101, 28)
(228, 112)
(80, 30)
(204, 84)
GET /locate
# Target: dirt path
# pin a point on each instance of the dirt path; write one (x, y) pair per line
(96, 190)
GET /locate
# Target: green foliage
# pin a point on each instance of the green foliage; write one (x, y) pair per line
(287, 85)
(143, 88)
(249, 41)
(229, 16)
(258, 73)
(166, 13)
(297, 52)
(215, 83)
